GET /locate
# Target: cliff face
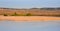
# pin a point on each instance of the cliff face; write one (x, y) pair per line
(42, 11)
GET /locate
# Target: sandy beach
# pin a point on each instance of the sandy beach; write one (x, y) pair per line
(28, 18)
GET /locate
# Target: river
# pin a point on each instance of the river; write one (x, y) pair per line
(30, 26)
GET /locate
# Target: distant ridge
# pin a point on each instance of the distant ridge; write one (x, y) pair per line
(58, 8)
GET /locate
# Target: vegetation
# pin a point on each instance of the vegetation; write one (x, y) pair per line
(28, 14)
(15, 14)
(5, 15)
(31, 12)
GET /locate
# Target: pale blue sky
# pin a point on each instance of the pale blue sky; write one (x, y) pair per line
(29, 3)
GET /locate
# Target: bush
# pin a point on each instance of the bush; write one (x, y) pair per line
(15, 14)
(28, 14)
(5, 15)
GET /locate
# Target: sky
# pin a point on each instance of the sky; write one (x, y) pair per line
(29, 3)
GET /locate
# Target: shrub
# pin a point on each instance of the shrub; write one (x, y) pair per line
(15, 14)
(28, 14)
(5, 15)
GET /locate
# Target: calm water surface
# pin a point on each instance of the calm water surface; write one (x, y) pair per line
(29, 26)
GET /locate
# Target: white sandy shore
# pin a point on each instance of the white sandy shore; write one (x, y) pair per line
(28, 18)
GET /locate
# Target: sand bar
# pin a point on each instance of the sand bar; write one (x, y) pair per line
(28, 18)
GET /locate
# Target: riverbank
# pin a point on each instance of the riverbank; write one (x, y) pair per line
(28, 18)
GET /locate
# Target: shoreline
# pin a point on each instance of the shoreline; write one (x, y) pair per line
(28, 18)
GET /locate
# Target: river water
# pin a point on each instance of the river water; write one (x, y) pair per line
(30, 26)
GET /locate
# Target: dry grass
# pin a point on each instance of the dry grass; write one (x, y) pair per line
(36, 12)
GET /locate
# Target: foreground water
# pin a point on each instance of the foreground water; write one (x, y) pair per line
(29, 26)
